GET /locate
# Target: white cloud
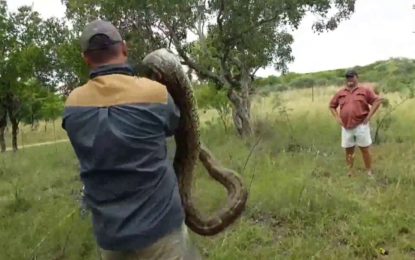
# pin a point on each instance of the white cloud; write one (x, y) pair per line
(378, 30)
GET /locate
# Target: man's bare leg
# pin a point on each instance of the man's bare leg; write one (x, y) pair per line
(350, 160)
(367, 158)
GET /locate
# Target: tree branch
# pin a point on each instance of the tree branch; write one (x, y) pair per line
(201, 25)
(254, 71)
(253, 27)
(223, 65)
(190, 62)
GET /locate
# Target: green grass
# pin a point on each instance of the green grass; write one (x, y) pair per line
(44, 132)
(301, 203)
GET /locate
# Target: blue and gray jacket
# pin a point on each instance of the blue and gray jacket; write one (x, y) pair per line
(118, 124)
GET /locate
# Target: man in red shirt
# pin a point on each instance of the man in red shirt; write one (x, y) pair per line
(357, 106)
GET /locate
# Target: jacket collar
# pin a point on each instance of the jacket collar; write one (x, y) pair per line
(104, 70)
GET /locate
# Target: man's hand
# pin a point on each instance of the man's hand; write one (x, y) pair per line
(375, 107)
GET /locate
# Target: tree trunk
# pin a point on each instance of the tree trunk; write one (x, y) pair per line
(15, 131)
(13, 108)
(242, 108)
(54, 130)
(3, 124)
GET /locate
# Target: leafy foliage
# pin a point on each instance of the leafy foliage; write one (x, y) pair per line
(391, 75)
(209, 97)
(31, 66)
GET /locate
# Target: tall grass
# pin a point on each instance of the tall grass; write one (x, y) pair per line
(43, 132)
(301, 203)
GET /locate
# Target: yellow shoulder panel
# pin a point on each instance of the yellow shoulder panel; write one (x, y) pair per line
(111, 90)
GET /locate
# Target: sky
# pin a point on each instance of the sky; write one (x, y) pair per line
(378, 30)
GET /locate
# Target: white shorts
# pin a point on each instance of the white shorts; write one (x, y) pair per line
(359, 136)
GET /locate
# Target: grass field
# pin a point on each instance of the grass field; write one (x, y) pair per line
(44, 132)
(301, 203)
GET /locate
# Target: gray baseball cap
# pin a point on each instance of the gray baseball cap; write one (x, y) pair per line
(99, 27)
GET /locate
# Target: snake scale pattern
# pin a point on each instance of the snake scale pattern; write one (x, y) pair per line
(165, 67)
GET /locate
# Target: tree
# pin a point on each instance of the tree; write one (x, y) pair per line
(71, 70)
(235, 38)
(29, 61)
(32, 99)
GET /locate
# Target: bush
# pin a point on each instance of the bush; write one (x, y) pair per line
(266, 82)
(394, 75)
(303, 82)
(210, 97)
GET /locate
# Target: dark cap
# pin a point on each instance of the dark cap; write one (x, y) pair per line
(99, 27)
(351, 73)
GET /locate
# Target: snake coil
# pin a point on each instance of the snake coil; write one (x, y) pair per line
(189, 148)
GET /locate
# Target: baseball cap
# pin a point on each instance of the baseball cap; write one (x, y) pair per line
(351, 73)
(99, 27)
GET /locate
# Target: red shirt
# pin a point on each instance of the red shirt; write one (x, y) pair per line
(354, 105)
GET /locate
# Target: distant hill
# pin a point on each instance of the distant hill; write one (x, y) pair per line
(392, 75)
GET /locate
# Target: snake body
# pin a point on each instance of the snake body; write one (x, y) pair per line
(189, 148)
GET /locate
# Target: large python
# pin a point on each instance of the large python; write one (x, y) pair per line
(165, 67)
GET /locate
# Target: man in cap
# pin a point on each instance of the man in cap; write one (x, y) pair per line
(357, 106)
(118, 124)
